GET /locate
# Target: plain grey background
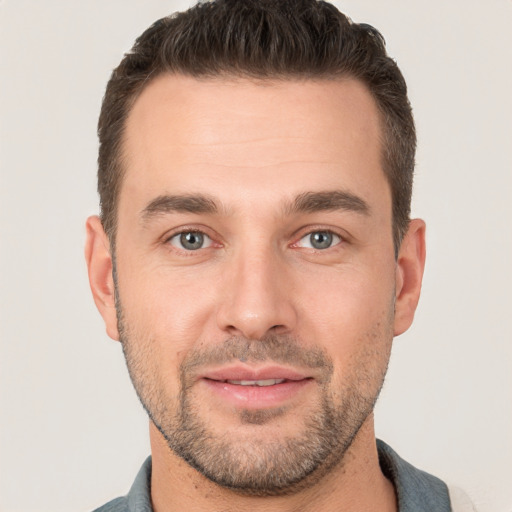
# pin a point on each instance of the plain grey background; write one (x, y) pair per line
(72, 433)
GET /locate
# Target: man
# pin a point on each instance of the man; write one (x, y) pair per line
(255, 257)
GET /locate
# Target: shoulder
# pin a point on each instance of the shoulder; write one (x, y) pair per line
(417, 490)
(116, 505)
(139, 497)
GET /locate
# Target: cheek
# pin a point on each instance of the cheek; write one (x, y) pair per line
(352, 319)
(348, 304)
(171, 309)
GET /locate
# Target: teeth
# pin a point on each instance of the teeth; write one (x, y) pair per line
(267, 382)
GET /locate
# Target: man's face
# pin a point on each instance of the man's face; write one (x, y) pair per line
(256, 277)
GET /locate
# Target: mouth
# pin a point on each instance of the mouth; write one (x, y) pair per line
(255, 388)
(262, 383)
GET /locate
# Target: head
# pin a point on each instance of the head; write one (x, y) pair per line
(255, 176)
(263, 40)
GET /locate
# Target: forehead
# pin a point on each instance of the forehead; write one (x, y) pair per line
(187, 135)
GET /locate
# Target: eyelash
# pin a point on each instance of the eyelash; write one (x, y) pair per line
(337, 239)
(186, 231)
(311, 231)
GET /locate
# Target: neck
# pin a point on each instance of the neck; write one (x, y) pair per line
(356, 484)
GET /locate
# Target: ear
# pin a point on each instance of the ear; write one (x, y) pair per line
(409, 274)
(99, 266)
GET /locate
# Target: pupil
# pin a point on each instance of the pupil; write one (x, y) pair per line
(192, 241)
(321, 240)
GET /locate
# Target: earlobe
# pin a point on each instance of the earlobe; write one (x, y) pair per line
(409, 275)
(99, 267)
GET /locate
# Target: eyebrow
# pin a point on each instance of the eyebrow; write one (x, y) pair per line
(331, 200)
(307, 202)
(196, 203)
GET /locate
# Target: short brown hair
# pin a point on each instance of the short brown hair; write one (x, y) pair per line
(263, 39)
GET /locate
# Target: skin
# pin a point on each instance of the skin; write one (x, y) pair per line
(253, 148)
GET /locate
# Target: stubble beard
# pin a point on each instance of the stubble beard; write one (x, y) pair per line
(258, 465)
(254, 465)
(262, 465)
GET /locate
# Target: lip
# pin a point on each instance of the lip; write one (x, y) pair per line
(253, 396)
(244, 372)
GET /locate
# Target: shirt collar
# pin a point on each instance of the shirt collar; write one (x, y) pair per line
(416, 490)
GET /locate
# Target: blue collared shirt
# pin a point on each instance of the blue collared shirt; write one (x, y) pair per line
(416, 490)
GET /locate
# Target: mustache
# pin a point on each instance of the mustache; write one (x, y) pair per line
(282, 349)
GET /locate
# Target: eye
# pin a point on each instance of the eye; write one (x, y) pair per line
(190, 240)
(319, 240)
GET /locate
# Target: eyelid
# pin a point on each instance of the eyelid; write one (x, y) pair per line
(176, 232)
(306, 232)
(208, 242)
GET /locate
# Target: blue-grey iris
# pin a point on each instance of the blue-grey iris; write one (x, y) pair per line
(321, 239)
(192, 240)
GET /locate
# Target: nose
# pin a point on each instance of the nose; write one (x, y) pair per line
(257, 296)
